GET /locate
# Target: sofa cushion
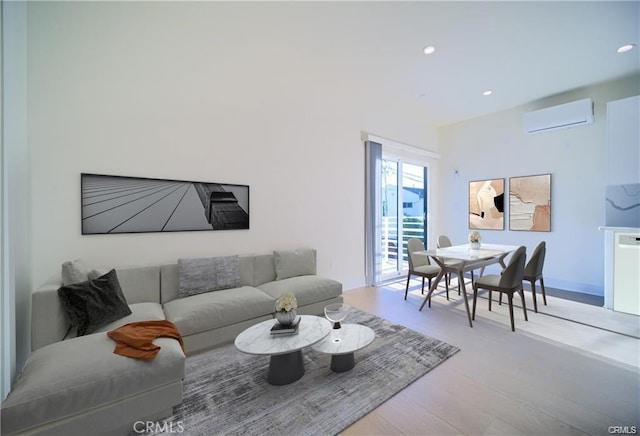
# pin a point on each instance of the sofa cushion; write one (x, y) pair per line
(204, 312)
(199, 275)
(264, 269)
(293, 263)
(139, 312)
(140, 284)
(307, 289)
(67, 377)
(94, 303)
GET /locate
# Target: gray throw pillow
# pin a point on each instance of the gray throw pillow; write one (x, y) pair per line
(94, 303)
(75, 271)
(293, 263)
(199, 275)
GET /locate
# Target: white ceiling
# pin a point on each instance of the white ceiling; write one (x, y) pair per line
(522, 51)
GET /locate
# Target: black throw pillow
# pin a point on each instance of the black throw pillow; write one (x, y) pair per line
(90, 305)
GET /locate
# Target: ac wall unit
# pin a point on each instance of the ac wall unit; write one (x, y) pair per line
(576, 113)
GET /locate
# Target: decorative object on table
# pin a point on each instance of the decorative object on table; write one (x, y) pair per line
(335, 313)
(474, 240)
(286, 306)
(530, 203)
(279, 329)
(117, 204)
(486, 204)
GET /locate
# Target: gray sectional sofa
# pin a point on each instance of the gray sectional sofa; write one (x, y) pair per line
(79, 386)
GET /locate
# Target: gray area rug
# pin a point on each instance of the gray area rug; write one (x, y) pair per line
(226, 391)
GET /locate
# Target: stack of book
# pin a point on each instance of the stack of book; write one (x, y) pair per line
(284, 330)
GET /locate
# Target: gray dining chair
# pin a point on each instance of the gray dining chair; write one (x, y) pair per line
(444, 241)
(509, 282)
(419, 265)
(533, 272)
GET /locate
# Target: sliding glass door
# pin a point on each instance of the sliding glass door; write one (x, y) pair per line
(404, 212)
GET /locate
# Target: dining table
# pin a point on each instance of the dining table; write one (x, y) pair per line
(459, 259)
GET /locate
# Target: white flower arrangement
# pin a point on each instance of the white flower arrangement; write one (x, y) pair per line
(474, 236)
(286, 302)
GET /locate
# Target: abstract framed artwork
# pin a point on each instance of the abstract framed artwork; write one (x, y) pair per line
(486, 204)
(119, 204)
(530, 203)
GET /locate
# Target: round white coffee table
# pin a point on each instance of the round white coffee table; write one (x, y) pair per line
(286, 364)
(341, 344)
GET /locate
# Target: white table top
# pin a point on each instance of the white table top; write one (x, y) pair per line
(464, 252)
(257, 339)
(347, 339)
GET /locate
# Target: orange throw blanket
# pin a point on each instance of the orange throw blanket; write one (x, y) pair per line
(135, 339)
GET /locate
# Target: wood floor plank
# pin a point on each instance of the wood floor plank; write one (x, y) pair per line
(406, 416)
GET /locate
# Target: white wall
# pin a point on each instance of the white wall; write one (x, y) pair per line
(495, 146)
(206, 91)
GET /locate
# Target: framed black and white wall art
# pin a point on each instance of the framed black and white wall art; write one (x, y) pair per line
(118, 204)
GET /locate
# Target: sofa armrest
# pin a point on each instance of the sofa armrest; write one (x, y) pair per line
(49, 323)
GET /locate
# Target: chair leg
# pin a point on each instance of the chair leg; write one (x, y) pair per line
(490, 298)
(533, 292)
(406, 291)
(510, 297)
(430, 283)
(524, 305)
(500, 299)
(475, 298)
(544, 296)
(446, 284)
(422, 285)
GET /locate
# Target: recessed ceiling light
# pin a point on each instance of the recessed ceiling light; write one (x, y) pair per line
(626, 48)
(487, 92)
(429, 49)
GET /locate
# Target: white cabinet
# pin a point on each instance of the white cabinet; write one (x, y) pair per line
(626, 273)
(622, 269)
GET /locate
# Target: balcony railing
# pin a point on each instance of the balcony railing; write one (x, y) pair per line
(412, 227)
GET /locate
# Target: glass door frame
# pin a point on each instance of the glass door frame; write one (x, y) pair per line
(402, 266)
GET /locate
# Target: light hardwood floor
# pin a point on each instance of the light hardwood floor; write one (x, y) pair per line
(551, 377)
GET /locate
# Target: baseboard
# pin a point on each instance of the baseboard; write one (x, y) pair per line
(565, 285)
